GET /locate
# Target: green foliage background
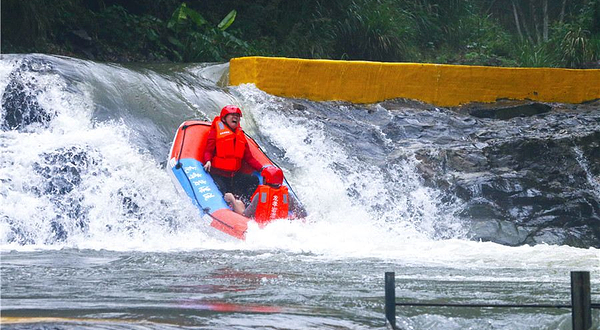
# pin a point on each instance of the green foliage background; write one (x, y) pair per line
(533, 33)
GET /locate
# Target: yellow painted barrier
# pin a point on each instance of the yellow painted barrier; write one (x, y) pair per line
(438, 84)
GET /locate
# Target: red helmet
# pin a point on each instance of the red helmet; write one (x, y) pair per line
(272, 175)
(230, 109)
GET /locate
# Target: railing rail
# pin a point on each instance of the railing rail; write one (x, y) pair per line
(581, 302)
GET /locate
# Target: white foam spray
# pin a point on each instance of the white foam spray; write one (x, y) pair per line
(123, 198)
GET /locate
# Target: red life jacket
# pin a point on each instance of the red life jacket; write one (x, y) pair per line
(273, 203)
(230, 147)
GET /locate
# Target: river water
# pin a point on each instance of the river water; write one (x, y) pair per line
(94, 234)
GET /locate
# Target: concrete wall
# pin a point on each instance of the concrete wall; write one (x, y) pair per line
(442, 85)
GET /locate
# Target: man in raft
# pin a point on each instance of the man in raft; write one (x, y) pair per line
(270, 201)
(226, 148)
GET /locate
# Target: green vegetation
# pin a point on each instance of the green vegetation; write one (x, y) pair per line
(533, 33)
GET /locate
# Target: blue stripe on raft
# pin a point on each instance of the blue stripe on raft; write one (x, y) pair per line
(199, 185)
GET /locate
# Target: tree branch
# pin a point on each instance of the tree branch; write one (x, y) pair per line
(518, 25)
(545, 12)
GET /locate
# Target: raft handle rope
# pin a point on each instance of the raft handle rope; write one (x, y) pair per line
(178, 166)
(206, 210)
(183, 128)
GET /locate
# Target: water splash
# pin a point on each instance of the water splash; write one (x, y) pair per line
(80, 182)
(88, 180)
(335, 183)
(594, 181)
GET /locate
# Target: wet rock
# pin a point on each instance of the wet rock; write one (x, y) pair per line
(62, 169)
(498, 231)
(540, 173)
(21, 107)
(541, 184)
(130, 207)
(402, 103)
(82, 42)
(17, 234)
(298, 106)
(81, 37)
(506, 110)
(59, 233)
(466, 159)
(19, 99)
(579, 236)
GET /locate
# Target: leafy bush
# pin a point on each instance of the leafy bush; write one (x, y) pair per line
(122, 32)
(195, 39)
(541, 55)
(311, 38)
(372, 30)
(575, 48)
(575, 44)
(30, 26)
(479, 32)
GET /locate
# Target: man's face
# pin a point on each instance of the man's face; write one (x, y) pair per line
(232, 120)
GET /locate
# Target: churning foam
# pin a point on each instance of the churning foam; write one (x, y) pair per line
(124, 200)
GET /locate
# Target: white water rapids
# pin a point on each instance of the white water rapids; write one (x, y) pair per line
(112, 210)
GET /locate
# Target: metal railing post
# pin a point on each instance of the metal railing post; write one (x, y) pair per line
(390, 298)
(581, 300)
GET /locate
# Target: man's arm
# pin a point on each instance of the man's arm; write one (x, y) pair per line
(250, 211)
(211, 146)
(236, 205)
(250, 160)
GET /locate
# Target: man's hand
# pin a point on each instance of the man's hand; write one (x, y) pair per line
(207, 166)
(229, 199)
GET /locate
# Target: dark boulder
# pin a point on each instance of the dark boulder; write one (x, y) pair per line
(62, 169)
(19, 99)
(540, 174)
(506, 109)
